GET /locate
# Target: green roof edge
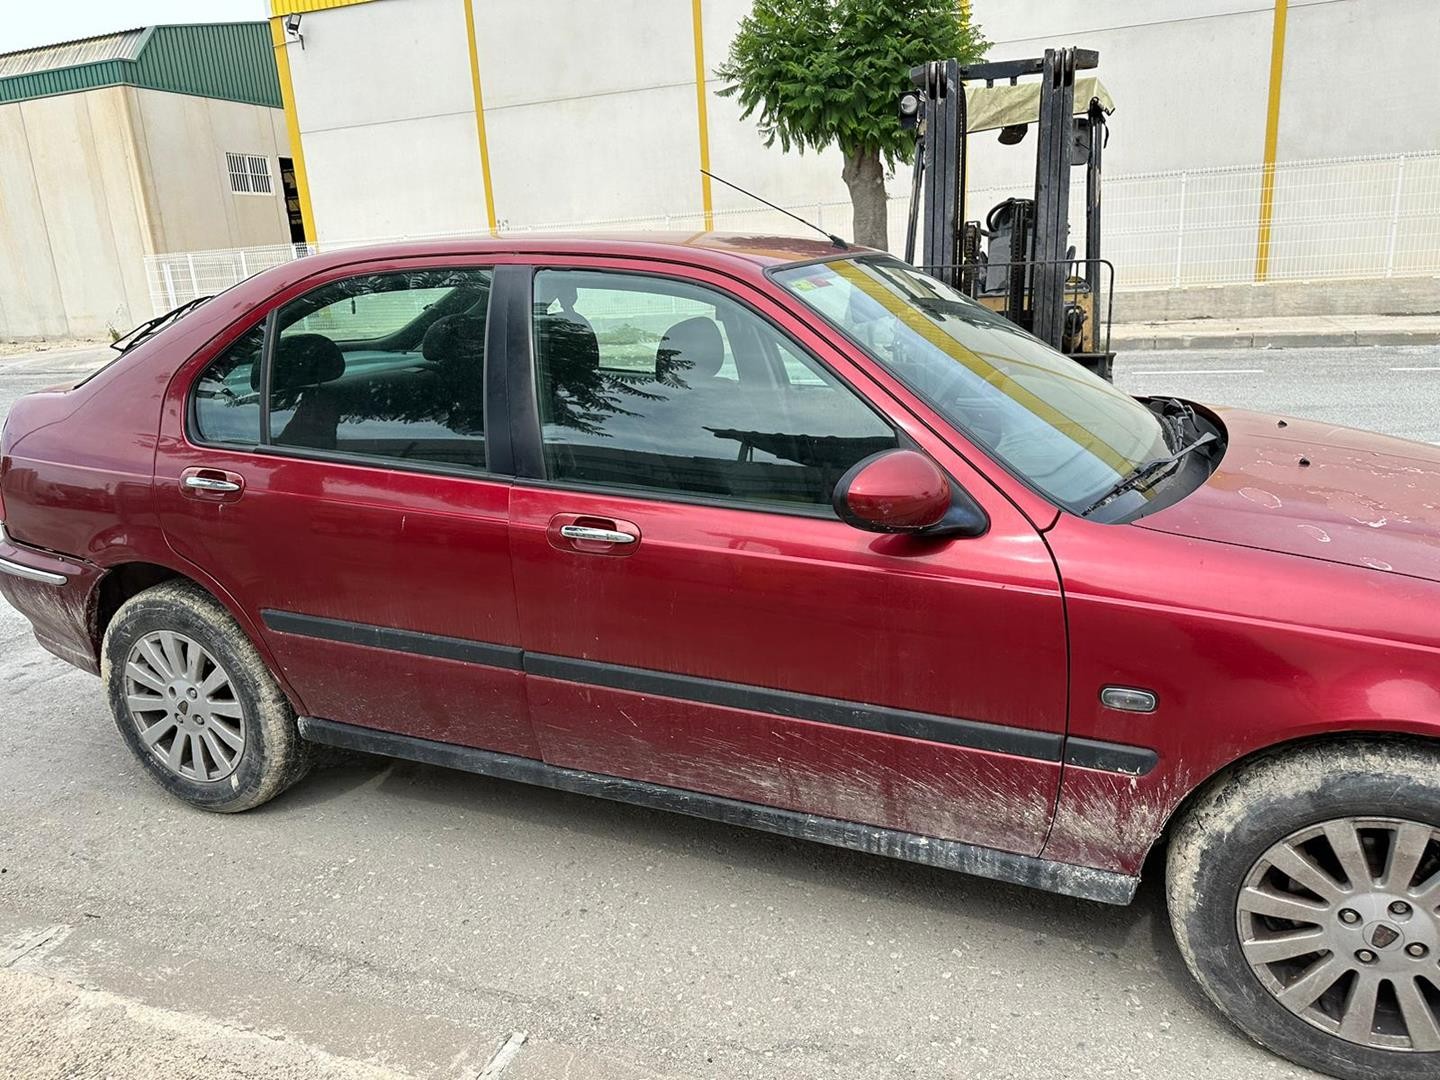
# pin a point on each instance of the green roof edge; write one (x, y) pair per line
(229, 61)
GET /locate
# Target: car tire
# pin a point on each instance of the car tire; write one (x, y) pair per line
(196, 704)
(1227, 883)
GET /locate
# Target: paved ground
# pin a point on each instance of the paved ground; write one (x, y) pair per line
(386, 919)
(1292, 332)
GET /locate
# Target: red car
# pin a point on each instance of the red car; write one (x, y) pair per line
(784, 535)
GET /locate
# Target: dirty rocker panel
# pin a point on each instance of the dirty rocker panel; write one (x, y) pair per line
(1089, 884)
(952, 731)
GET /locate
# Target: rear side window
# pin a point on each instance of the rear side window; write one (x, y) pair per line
(227, 395)
(385, 365)
(655, 384)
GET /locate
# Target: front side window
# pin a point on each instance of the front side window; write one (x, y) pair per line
(1072, 435)
(659, 385)
(385, 365)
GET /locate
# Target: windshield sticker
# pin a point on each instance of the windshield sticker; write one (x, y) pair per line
(806, 284)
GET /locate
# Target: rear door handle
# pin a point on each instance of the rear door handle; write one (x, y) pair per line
(599, 536)
(211, 485)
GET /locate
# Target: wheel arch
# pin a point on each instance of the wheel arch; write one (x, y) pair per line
(1349, 735)
(125, 580)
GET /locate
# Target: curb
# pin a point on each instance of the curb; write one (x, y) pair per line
(1273, 339)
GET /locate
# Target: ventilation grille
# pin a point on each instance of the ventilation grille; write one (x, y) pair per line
(249, 174)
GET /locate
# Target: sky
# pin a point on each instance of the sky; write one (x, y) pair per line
(37, 22)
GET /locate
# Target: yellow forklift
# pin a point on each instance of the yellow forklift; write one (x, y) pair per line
(1020, 260)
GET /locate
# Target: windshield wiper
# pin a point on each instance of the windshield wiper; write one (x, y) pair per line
(148, 329)
(1148, 474)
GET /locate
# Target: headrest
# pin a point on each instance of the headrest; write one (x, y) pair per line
(302, 360)
(566, 345)
(693, 348)
(454, 338)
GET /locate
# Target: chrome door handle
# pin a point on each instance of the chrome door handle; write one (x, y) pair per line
(600, 536)
(205, 483)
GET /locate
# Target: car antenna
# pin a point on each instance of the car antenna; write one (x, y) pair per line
(841, 244)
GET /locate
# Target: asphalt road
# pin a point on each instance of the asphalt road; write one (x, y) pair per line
(388, 919)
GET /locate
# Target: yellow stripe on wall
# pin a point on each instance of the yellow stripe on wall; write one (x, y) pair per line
(1272, 138)
(701, 113)
(300, 7)
(292, 125)
(480, 114)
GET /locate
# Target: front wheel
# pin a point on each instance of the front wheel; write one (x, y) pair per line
(1304, 892)
(195, 702)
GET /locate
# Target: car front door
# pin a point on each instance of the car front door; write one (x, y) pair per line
(350, 512)
(695, 614)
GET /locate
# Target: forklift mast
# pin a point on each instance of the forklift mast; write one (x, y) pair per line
(1027, 272)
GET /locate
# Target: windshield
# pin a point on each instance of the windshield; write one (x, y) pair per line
(1069, 433)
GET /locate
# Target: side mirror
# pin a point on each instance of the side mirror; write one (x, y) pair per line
(903, 491)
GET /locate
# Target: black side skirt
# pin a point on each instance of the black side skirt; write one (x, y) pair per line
(1089, 884)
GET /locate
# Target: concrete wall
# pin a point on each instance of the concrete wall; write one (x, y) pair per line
(72, 233)
(91, 183)
(591, 111)
(184, 140)
(1191, 80)
(387, 119)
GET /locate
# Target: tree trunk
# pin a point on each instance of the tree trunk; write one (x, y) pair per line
(866, 180)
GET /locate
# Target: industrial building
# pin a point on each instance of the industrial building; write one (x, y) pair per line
(421, 116)
(1253, 141)
(114, 148)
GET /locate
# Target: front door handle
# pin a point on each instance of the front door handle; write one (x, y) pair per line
(599, 536)
(590, 534)
(209, 483)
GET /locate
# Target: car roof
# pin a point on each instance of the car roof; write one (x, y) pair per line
(701, 248)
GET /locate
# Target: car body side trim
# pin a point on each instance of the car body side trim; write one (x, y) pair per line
(384, 637)
(29, 573)
(1110, 757)
(1020, 742)
(1071, 880)
(930, 727)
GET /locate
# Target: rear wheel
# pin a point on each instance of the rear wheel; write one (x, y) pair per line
(1305, 895)
(196, 704)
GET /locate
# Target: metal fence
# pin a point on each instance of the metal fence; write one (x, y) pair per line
(1361, 217)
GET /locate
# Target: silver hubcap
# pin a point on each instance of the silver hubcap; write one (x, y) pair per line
(184, 706)
(1341, 923)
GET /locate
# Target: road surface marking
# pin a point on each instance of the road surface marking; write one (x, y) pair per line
(1415, 369)
(36, 946)
(506, 1054)
(1204, 371)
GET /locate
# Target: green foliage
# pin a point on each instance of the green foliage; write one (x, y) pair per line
(819, 72)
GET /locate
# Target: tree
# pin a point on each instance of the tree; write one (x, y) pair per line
(831, 71)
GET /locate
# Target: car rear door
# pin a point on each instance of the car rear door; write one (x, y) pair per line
(694, 613)
(357, 521)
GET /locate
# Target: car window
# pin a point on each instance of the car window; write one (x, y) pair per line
(1068, 433)
(385, 365)
(227, 398)
(697, 396)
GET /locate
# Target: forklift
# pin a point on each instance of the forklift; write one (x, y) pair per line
(1020, 261)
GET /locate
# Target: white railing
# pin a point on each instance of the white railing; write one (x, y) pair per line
(1363, 217)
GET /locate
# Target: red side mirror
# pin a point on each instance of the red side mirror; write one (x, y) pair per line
(894, 491)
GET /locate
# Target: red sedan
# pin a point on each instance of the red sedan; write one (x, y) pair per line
(784, 535)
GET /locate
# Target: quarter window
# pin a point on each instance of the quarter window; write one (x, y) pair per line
(385, 365)
(227, 394)
(661, 385)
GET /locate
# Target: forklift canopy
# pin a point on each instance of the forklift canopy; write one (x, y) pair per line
(990, 107)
